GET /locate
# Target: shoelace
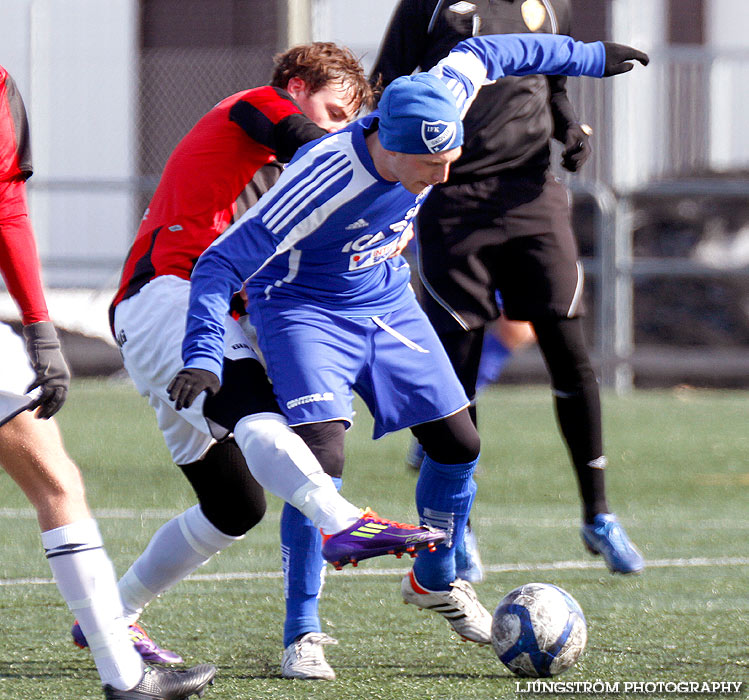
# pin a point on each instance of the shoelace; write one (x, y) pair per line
(615, 533)
(314, 640)
(369, 514)
(467, 590)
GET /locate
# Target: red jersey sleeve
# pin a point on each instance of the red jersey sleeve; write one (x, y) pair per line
(19, 260)
(272, 118)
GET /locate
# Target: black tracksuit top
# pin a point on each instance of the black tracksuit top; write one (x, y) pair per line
(512, 121)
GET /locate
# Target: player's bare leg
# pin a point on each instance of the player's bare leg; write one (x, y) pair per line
(32, 453)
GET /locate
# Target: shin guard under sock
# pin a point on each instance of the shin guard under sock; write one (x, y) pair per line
(444, 496)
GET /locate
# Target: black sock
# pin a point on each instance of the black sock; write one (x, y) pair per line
(578, 406)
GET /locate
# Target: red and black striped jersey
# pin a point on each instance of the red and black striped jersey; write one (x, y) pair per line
(15, 145)
(207, 171)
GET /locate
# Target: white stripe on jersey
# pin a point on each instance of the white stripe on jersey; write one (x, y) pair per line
(295, 190)
(457, 89)
(339, 169)
(295, 257)
(470, 66)
(303, 191)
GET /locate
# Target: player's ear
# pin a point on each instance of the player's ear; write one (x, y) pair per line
(296, 87)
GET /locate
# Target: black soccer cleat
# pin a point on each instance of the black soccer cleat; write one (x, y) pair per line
(166, 684)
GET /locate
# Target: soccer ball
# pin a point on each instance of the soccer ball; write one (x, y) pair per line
(538, 630)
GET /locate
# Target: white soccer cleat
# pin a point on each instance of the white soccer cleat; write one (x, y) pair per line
(459, 606)
(305, 659)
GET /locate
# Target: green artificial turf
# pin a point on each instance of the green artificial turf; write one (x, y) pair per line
(678, 479)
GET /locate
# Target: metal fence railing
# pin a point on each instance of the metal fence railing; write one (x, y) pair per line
(682, 303)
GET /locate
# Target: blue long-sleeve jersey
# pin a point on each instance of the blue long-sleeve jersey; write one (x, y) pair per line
(326, 232)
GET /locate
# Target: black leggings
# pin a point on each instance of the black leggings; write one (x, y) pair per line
(228, 494)
(451, 440)
(576, 396)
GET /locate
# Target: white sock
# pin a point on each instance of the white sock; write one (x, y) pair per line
(283, 464)
(326, 508)
(86, 579)
(175, 551)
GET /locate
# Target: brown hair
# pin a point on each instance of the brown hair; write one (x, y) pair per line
(320, 63)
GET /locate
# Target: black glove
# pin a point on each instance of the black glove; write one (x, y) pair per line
(188, 384)
(576, 147)
(618, 57)
(52, 373)
(238, 306)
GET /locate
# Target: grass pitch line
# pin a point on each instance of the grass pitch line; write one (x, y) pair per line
(101, 513)
(495, 568)
(165, 514)
(689, 562)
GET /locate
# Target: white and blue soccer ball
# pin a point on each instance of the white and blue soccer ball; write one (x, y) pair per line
(538, 630)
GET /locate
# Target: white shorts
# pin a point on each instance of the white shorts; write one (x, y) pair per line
(149, 327)
(15, 375)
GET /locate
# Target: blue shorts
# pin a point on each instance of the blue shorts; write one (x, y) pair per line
(395, 362)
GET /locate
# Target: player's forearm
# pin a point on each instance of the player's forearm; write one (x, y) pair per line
(212, 285)
(479, 60)
(528, 54)
(25, 286)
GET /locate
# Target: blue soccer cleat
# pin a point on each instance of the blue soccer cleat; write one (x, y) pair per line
(607, 537)
(468, 564)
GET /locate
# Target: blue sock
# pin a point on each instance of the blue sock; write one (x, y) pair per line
(303, 572)
(494, 357)
(444, 495)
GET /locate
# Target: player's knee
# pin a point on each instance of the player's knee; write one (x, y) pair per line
(228, 494)
(466, 448)
(573, 379)
(235, 515)
(561, 341)
(261, 434)
(326, 441)
(472, 446)
(452, 440)
(60, 483)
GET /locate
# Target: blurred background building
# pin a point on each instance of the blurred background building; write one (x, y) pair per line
(662, 209)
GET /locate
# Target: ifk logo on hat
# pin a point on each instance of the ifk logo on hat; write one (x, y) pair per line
(418, 114)
(438, 136)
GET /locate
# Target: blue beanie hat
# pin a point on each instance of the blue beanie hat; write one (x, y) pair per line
(418, 114)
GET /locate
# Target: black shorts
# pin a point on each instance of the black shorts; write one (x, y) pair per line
(507, 233)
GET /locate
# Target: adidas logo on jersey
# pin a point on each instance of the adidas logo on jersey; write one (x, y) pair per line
(357, 224)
